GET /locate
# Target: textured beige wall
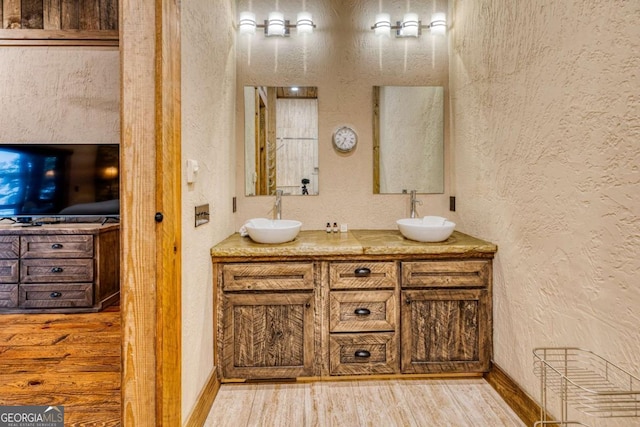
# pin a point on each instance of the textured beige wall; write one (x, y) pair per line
(344, 60)
(59, 94)
(546, 146)
(208, 99)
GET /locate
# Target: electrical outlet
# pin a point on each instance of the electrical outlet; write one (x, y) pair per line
(202, 214)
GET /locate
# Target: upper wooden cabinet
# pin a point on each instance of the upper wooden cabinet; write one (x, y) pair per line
(59, 22)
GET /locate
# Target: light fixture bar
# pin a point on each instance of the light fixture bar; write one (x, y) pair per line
(276, 25)
(410, 26)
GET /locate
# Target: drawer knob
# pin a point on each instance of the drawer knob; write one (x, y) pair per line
(57, 270)
(362, 311)
(362, 353)
(57, 246)
(55, 294)
(362, 272)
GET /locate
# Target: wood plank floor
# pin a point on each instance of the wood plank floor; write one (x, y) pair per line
(387, 403)
(70, 360)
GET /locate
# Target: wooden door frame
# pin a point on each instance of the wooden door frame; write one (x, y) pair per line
(150, 185)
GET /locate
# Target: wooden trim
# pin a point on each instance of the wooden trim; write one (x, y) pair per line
(359, 377)
(522, 404)
(203, 405)
(376, 140)
(168, 201)
(20, 37)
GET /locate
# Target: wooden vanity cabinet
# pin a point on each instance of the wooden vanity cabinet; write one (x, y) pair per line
(363, 318)
(446, 316)
(268, 320)
(362, 303)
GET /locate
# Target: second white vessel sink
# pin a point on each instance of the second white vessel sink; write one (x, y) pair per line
(263, 230)
(427, 229)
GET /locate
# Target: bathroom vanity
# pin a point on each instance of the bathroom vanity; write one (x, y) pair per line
(366, 302)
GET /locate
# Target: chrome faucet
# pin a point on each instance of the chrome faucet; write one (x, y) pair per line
(414, 202)
(278, 204)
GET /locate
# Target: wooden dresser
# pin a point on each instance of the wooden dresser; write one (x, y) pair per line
(59, 268)
(366, 302)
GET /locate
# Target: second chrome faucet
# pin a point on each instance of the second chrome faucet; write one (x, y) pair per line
(278, 204)
(414, 201)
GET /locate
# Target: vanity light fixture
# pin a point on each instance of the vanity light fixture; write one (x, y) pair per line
(275, 24)
(410, 26)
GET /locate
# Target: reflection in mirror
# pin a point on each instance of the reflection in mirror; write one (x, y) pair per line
(281, 140)
(408, 139)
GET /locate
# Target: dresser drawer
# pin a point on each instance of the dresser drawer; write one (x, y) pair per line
(446, 274)
(267, 276)
(352, 354)
(362, 311)
(8, 296)
(54, 295)
(9, 247)
(56, 270)
(9, 271)
(57, 246)
(362, 275)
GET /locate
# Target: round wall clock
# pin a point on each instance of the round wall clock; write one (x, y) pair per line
(344, 139)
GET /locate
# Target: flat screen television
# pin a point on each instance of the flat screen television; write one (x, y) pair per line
(59, 181)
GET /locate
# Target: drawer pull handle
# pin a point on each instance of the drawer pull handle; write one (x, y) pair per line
(362, 353)
(55, 294)
(362, 272)
(362, 311)
(57, 270)
(57, 246)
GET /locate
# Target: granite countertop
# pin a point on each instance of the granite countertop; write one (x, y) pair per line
(354, 242)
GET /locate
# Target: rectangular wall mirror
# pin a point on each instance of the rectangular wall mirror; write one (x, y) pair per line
(408, 139)
(281, 140)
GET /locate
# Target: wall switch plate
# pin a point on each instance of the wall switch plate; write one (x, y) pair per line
(202, 214)
(452, 203)
(235, 205)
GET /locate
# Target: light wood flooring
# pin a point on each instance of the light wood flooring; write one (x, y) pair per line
(377, 403)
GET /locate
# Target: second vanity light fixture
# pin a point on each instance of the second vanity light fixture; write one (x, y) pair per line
(275, 24)
(410, 26)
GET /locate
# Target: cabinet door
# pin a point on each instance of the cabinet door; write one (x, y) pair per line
(268, 335)
(445, 331)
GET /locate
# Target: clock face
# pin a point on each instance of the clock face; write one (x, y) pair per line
(345, 139)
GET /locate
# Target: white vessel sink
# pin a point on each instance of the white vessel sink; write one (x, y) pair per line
(427, 229)
(263, 230)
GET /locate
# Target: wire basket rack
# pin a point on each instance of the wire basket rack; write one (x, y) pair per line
(584, 381)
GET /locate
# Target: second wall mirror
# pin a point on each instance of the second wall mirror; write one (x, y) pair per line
(408, 139)
(281, 140)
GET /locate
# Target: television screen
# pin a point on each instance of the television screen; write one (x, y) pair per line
(54, 180)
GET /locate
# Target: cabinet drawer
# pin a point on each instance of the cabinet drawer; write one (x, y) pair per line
(9, 247)
(56, 270)
(9, 271)
(362, 275)
(8, 296)
(60, 246)
(271, 276)
(363, 354)
(362, 311)
(54, 295)
(449, 274)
